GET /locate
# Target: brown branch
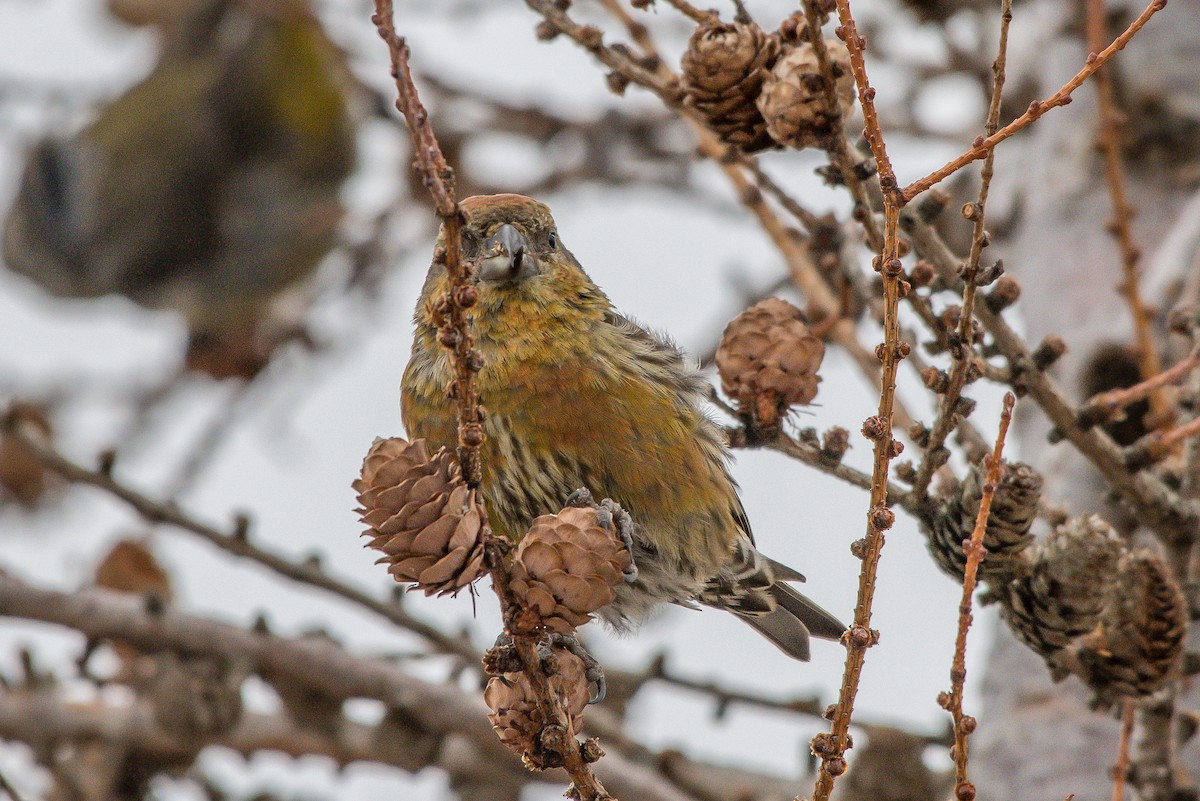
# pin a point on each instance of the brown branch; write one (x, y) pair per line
(1159, 444)
(724, 697)
(438, 178)
(43, 720)
(952, 701)
(831, 747)
(1158, 506)
(840, 152)
(1101, 408)
(811, 454)
(455, 334)
(237, 542)
(693, 13)
(1121, 225)
(439, 709)
(963, 341)
(1062, 97)
(1121, 769)
(856, 44)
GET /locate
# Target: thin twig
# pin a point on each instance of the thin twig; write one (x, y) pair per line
(1158, 506)
(830, 747)
(1158, 445)
(981, 146)
(459, 297)
(856, 45)
(1100, 408)
(693, 13)
(7, 788)
(811, 454)
(841, 154)
(962, 343)
(1121, 225)
(1121, 768)
(952, 701)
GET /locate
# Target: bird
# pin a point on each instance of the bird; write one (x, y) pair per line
(577, 395)
(207, 188)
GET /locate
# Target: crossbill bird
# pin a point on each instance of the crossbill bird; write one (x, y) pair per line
(208, 187)
(579, 396)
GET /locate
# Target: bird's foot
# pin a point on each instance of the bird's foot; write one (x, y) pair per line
(503, 658)
(614, 518)
(592, 670)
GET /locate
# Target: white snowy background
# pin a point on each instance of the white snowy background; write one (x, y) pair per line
(664, 259)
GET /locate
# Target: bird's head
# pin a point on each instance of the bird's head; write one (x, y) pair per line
(522, 270)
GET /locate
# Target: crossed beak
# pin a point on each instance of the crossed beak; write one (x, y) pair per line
(507, 256)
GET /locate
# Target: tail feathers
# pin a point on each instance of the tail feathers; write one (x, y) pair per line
(784, 573)
(781, 628)
(819, 622)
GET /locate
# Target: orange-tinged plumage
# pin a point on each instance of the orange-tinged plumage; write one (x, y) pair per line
(579, 396)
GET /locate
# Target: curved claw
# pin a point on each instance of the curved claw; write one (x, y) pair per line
(591, 668)
(611, 515)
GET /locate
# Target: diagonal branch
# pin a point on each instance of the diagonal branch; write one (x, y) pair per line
(982, 146)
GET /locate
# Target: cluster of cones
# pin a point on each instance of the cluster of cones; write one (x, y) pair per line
(431, 529)
(1080, 597)
(759, 90)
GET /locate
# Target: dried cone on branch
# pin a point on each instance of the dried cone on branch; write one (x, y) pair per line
(1006, 537)
(568, 566)
(768, 361)
(1137, 647)
(23, 478)
(517, 717)
(132, 567)
(1068, 585)
(793, 101)
(421, 516)
(723, 71)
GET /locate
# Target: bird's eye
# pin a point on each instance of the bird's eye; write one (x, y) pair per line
(553, 239)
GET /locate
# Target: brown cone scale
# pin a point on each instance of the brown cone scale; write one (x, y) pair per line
(421, 516)
(1006, 537)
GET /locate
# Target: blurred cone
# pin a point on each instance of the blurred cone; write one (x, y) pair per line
(130, 566)
(1069, 583)
(208, 187)
(1137, 647)
(23, 478)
